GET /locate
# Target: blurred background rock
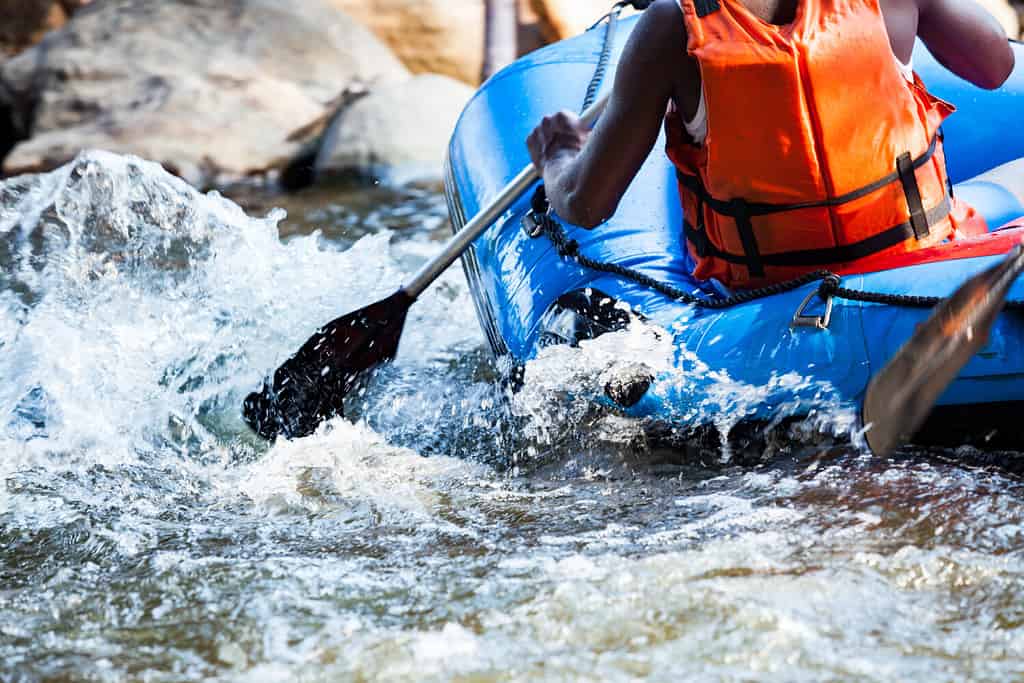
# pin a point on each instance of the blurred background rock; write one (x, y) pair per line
(283, 91)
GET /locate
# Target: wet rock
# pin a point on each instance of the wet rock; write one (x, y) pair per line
(627, 383)
(429, 36)
(216, 90)
(439, 36)
(398, 133)
(25, 22)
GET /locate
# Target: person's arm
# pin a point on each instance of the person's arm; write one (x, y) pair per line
(967, 40)
(586, 174)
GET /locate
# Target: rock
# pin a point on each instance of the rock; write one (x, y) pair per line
(429, 36)
(441, 36)
(216, 90)
(25, 22)
(1005, 13)
(626, 383)
(398, 133)
(560, 19)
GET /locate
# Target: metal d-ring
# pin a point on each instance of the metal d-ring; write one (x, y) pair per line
(820, 322)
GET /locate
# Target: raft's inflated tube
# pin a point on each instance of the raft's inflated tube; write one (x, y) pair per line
(747, 360)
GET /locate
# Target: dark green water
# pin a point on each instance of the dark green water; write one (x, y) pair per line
(442, 532)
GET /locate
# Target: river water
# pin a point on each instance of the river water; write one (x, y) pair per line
(443, 531)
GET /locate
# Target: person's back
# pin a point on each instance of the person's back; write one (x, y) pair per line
(800, 134)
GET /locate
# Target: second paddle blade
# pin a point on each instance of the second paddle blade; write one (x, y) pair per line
(311, 385)
(901, 396)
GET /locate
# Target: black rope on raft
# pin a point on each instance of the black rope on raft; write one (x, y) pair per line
(889, 299)
(829, 287)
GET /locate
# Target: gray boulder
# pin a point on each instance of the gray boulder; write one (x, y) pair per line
(398, 133)
(215, 90)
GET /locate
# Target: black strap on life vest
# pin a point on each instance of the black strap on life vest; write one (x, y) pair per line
(905, 169)
(742, 212)
(705, 7)
(818, 257)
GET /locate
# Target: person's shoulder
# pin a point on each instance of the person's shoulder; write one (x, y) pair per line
(664, 11)
(662, 23)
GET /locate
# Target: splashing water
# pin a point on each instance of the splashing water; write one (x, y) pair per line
(145, 534)
(563, 384)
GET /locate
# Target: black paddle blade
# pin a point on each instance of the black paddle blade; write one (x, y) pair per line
(900, 397)
(311, 385)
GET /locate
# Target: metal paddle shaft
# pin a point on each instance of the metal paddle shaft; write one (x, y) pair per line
(900, 397)
(310, 386)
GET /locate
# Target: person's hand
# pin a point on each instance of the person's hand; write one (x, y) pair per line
(556, 135)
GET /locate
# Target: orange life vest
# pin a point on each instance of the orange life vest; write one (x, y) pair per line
(819, 154)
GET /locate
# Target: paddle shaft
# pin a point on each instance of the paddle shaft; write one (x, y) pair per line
(485, 218)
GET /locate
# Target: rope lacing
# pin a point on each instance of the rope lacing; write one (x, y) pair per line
(830, 282)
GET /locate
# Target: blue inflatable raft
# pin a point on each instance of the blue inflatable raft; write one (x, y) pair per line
(524, 288)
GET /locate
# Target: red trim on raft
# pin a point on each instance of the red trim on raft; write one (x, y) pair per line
(992, 243)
